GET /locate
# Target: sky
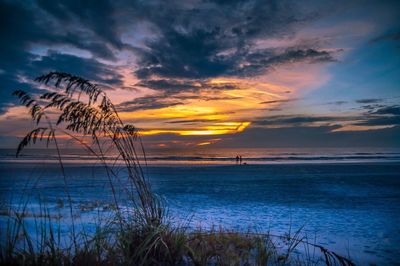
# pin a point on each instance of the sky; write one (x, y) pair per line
(215, 74)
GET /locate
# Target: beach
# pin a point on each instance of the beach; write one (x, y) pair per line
(350, 208)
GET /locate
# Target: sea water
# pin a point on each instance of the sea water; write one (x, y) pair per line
(349, 204)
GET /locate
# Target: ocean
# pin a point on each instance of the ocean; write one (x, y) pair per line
(345, 200)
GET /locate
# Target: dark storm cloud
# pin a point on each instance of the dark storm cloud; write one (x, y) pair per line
(25, 25)
(365, 101)
(258, 62)
(171, 93)
(288, 121)
(169, 85)
(337, 102)
(9, 83)
(15, 34)
(388, 110)
(376, 115)
(85, 26)
(88, 68)
(388, 115)
(164, 100)
(380, 121)
(381, 109)
(146, 103)
(211, 39)
(370, 108)
(206, 98)
(393, 36)
(98, 15)
(174, 86)
(189, 41)
(164, 63)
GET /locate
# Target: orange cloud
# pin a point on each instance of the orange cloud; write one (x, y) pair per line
(210, 111)
(215, 129)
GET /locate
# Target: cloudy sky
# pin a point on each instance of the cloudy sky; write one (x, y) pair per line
(216, 73)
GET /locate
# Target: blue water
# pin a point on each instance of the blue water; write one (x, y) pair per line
(351, 208)
(223, 156)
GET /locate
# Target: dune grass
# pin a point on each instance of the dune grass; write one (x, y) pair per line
(142, 234)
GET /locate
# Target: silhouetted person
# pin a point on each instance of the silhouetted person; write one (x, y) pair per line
(237, 159)
(240, 159)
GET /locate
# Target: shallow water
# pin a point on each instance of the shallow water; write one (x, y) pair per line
(349, 208)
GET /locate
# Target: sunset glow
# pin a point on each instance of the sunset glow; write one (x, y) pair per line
(216, 129)
(191, 76)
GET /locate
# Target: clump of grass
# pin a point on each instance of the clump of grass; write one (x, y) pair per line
(142, 234)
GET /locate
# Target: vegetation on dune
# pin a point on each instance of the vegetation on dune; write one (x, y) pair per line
(142, 234)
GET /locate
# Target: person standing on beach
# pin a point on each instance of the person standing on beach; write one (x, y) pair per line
(240, 159)
(237, 159)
